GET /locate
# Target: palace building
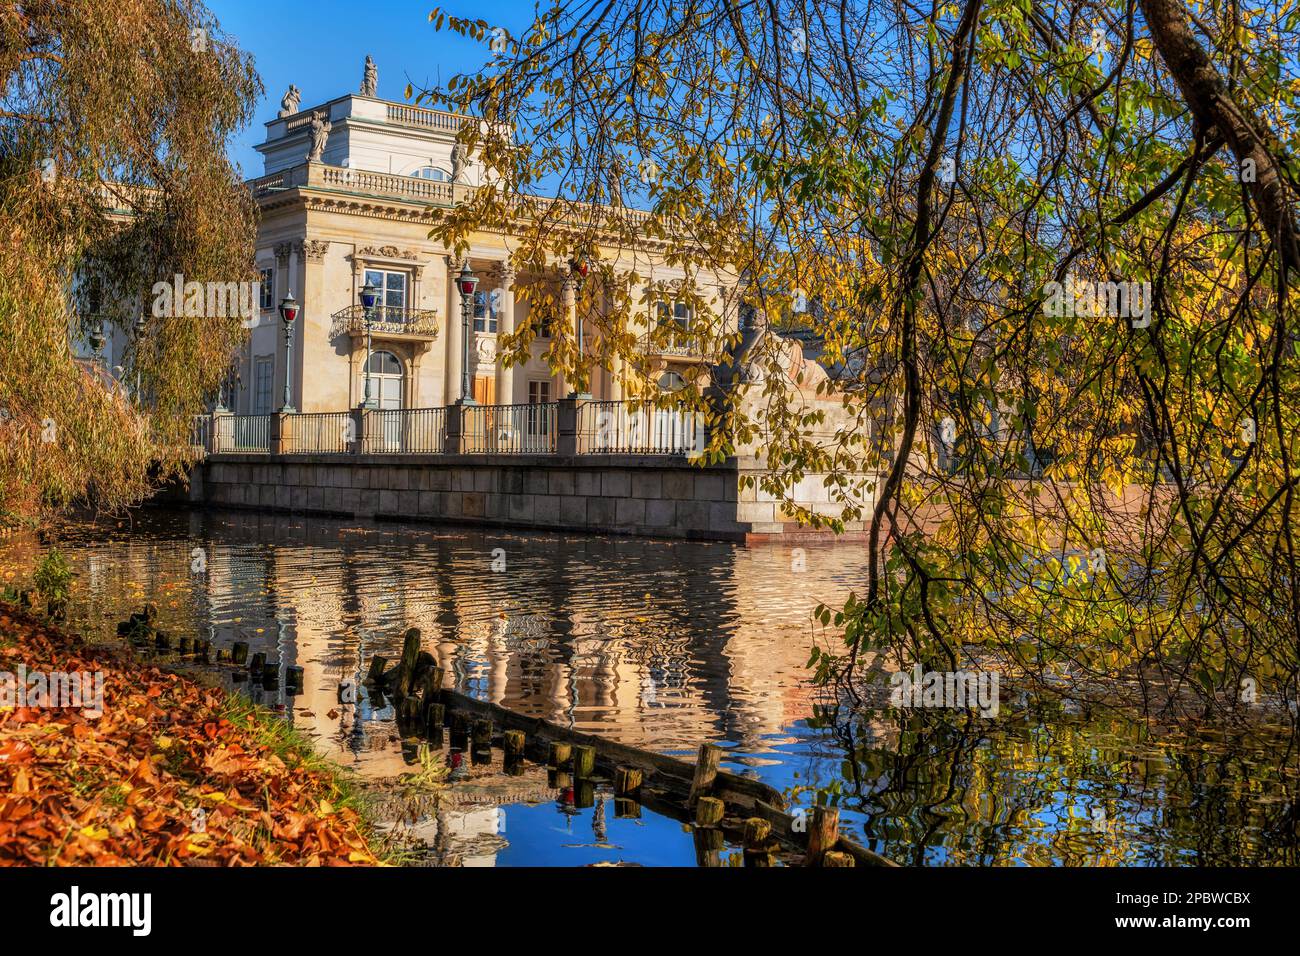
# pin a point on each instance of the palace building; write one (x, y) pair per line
(347, 197)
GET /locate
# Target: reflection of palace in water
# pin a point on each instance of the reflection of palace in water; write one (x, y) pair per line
(657, 644)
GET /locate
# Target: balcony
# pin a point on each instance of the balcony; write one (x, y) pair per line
(387, 322)
(347, 184)
(669, 341)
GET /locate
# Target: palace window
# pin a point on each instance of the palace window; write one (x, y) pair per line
(391, 286)
(266, 292)
(671, 381)
(432, 173)
(263, 380)
(539, 393)
(678, 313)
(485, 316)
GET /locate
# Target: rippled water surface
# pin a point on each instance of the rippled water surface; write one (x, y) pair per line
(667, 645)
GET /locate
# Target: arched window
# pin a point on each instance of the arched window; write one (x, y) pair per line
(385, 380)
(671, 381)
(384, 363)
(433, 173)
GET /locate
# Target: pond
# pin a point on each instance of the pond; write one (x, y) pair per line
(666, 645)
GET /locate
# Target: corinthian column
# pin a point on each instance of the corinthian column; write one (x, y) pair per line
(504, 276)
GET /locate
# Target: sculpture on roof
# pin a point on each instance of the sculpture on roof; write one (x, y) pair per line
(458, 163)
(370, 82)
(289, 104)
(320, 131)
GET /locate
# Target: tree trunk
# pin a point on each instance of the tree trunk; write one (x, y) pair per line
(1214, 109)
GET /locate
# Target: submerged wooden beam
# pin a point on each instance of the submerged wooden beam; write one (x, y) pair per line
(666, 783)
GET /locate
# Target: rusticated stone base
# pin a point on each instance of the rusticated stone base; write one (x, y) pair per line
(651, 496)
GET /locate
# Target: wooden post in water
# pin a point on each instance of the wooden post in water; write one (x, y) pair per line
(482, 736)
(823, 833)
(410, 657)
(709, 811)
(584, 762)
(257, 664)
(706, 771)
(239, 653)
(377, 665)
(708, 846)
(756, 833)
(513, 742)
(459, 731)
(433, 723)
(559, 758)
(627, 781)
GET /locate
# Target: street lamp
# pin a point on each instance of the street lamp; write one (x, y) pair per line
(369, 296)
(289, 314)
(466, 283)
(97, 341)
(140, 328)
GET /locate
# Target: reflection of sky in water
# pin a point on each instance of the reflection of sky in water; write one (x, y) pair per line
(667, 645)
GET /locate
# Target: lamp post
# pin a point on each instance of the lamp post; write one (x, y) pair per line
(289, 314)
(139, 337)
(466, 283)
(369, 296)
(97, 342)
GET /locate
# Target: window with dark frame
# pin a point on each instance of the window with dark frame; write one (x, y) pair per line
(392, 288)
(266, 292)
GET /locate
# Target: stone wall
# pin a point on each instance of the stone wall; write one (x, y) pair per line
(621, 494)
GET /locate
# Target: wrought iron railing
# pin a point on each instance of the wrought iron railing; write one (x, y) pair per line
(320, 433)
(510, 429)
(385, 319)
(242, 433)
(638, 429)
(408, 431)
(600, 428)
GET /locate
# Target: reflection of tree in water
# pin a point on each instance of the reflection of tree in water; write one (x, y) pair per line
(947, 788)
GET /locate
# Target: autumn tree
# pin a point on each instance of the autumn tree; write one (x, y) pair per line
(1052, 247)
(113, 176)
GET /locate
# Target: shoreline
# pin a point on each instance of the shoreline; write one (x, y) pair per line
(173, 772)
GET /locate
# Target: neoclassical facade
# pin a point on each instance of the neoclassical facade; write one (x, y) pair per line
(347, 198)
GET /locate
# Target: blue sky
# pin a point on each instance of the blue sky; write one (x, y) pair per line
(321, 45)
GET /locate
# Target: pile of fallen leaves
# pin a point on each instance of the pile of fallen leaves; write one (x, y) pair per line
(171, 773)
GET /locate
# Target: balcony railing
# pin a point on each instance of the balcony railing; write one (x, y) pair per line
(321, 433)
(409, 431)
(386, 320)
(241, 433)
(589, 428)
(430, 192)
(510, 429)
(669, 343)
(640, 429)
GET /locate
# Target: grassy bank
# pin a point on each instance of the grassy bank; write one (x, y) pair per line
(172, 772)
